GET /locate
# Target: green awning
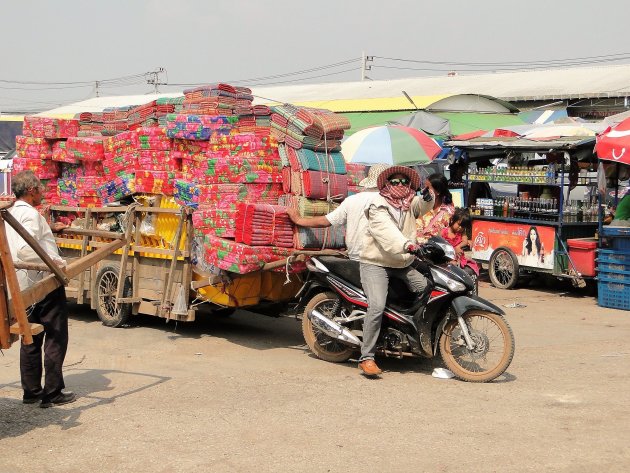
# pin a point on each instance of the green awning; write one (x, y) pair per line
(466, 122)
(362, 120)
(460, 122)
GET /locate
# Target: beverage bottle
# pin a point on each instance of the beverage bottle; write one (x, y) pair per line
(505, 207)
(579, 212)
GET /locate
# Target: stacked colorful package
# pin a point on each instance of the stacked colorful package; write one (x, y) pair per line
(85, 148)
(120, 154)
(197, 127)
(218, 99)
(263, 225)
(32, 147)
(43, 168)
(120, 187)
(212, 221)
(51, 128)
(225, 196)
(60, 153)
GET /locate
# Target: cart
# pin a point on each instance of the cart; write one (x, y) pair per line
(156, 274)
(525, 231)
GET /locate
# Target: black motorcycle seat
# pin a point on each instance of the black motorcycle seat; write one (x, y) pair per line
(344, 268)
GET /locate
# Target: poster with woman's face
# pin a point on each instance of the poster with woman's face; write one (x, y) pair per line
(533, 245)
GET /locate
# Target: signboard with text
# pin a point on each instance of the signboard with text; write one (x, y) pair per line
(533, 245)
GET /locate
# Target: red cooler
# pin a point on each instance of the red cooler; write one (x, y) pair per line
(582, 252)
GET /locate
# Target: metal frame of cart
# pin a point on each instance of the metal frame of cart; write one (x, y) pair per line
(503, 262)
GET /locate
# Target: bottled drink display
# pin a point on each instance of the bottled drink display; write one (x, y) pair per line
(536, 209)
(546, 175)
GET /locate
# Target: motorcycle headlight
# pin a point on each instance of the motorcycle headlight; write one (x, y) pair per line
(454, 286)
(449, 251)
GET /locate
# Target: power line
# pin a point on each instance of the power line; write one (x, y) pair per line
(116, 79)
(276, 76)
(599, 58)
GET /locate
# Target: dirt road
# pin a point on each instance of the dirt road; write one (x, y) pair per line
(242, 394)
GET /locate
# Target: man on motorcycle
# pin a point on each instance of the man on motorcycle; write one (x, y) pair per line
(387, 250)
(351, 213)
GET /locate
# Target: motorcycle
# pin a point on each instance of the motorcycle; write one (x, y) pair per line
(474, 340)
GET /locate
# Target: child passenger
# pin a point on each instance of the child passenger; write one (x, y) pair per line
(455, 234)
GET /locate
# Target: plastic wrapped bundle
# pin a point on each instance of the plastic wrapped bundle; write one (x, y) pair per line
(309, 160)
(118, 188)
(319, 185)
(307, 207)
(263, 225)
(86, 169)
(52, 128)
(154, 138)
(86, 148)
(238, 257)
(330, 237)
(154, 160)
(234, 170)
(88, 186)
(43, 168)
(213, 221)
(121, 143)
(155, 182)
(60, 153)
(197, 127)
(356, 173)
(120, 164)
(225, 196)
(32, 147)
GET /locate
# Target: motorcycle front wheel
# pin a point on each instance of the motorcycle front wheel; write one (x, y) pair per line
(322, 345)
(492, 352)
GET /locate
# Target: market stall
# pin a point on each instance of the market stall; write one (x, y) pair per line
(613, 259)
(533, 204)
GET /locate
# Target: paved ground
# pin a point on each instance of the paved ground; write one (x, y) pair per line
(242, 394)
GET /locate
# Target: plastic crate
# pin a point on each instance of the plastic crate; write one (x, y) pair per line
(616, 231)
(605, 266)
(621, 243)
(614, 275)
(613, 294)
(614, 256)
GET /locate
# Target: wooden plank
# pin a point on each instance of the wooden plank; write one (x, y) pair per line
(65, 208)
(35, 329)
(92, 233)
(135, 266)
(129, 300)
(34, 244)
(84, 246)
(41, 289)
(168, 284)
(5, 334)
(92, 291)
(31, 266)
(188, 267)
(158, 251)
(122, 275)
(18, 304)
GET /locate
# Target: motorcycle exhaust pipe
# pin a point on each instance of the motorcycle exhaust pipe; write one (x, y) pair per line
(332, 328)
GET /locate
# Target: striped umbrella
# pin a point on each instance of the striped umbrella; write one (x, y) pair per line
(391, 144)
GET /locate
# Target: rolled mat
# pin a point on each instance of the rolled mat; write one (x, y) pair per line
(86, 148)
(238, 257)
(307, 207)
(309, 160)
(213, 221)
(234, 170)
(330, 237)
(225, 196)
(263, 225)
(319, 185)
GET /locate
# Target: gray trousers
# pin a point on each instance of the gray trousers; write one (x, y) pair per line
(375, 282)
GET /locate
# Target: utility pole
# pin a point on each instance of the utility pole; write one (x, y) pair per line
(154, 79)
(96, 84)
(364, 65)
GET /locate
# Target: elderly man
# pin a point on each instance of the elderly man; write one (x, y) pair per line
(51, 312)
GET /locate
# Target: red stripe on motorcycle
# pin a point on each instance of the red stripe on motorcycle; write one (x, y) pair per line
(437, 293)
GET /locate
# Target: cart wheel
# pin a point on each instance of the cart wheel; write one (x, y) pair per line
(503, 268)
(111, 313)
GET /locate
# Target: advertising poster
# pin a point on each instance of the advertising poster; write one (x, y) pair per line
(533, 245)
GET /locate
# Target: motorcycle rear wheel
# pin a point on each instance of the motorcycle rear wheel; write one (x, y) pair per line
(322, 345)
(493, 352)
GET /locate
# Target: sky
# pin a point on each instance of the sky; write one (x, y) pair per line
(55, 51)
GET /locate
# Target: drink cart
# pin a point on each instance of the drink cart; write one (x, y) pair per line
(540, 212)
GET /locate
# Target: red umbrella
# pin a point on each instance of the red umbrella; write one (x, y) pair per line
(614, 143)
